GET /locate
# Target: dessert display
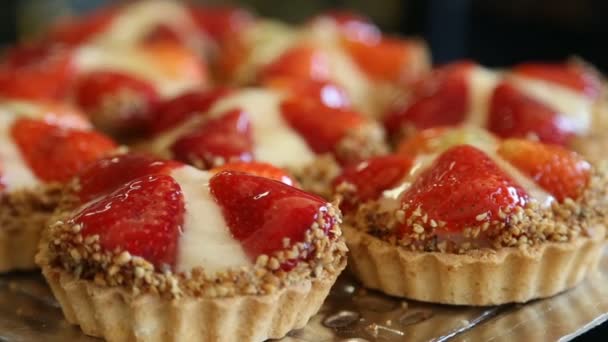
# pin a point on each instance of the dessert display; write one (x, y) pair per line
(460, 216)
(560, 103)
(42, 146)
(147, 249)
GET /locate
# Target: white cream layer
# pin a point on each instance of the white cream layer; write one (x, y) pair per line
(481, 83)
(206, 240)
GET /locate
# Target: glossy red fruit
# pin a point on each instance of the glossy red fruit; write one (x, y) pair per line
(55, 153)
(326, 93)
(107, 174)
(172, 112)
(115, 101)
(352, 25)
(224, 139)
(421, 142)
(261, 212)
(440, 99)
(75, 31)
(143, 217)
(463, 188)
(322, 127)
(515, 114)
(371, 177)
(221, 22)
(574, 76)
(301, 62)
(561, 172)
(258, 169)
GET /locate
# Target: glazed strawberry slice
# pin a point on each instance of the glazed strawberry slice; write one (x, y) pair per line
(441, 99)
(221, 22)
(172, 112)
(224, 139)
(371, 177)
(571, 75)
(107, 174)
(116, 102)
(439, 139)
(175, 61)
(143, 217)
(515, 114)
(561, 172)
(326, 93)
(322, 127)
(258, 169)
(353, 26)
(75, 31)
(463, 188)
(301, 62)
(55, 153)
(261, 212)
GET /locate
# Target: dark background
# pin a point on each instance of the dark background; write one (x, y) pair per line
(494, 33)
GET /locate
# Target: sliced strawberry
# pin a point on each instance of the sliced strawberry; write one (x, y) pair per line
(389, 59)
(372, 177)
(107, 174)
(561, 172)
(439, 139)
(116, 102)
(224, 139)
(463, 188)
(353, 25)
(571, 75)
(172, 112)
(54, 113)
(515, 114)
(57, 154)
(329, 94)
(143, 217)
(258, 169)
(233, 53)
(303, 62)
(422, 142)
(221, 22)
(441, 99)
(75, 31)
(322, 127)
(176, 61)
(261, 212)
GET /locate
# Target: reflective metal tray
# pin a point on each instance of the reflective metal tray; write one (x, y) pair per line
(28, 312)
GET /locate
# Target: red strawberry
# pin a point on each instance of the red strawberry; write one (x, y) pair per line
(143, 217)
(373, 176)
(55, 153)
(259, 169)
(303, 62)
(261, 212)
(322, 127)
(571, 75)
(561, 172)
(463, 188)
(107, 174)
(389, 59)
(353, 25)
(329, 94)
(439, 139)
(421, 142)
(515, 114)
(171, 113)
(221, 22)
(224, 139)
(116, 102)
(441, 99)
(75, 31)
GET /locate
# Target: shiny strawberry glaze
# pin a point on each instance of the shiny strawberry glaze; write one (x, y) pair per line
(326, 93)
(301, 62)
(258, 169)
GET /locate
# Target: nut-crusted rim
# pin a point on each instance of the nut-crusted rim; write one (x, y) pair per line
(478, 277)
(118, 315)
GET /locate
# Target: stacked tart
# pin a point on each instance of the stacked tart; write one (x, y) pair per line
(146, 249)
(463, 217)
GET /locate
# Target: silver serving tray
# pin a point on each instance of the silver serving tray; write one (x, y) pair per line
(28, 312)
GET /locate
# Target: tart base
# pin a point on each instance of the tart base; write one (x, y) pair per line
(480, 277)
(117, 315)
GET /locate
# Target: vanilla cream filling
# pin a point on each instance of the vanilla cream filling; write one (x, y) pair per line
(15, 174)
(481, 83)
(206, 240)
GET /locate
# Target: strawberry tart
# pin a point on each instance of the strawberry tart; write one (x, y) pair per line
(560, 103)
(158, 250)
(460, 216)
(42, 146)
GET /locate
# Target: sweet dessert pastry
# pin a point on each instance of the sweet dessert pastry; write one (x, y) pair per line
(339, 47)
(42, 146)
(161, 251)
(462, 217)
(555, 103)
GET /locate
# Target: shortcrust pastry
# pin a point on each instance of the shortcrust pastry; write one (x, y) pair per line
(145, 249)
